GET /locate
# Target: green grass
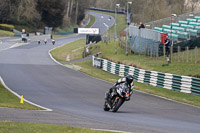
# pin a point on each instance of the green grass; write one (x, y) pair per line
(61, 36)
(140, 62)
(145, 62)
(70, 51)
(67, 29)
(121, 22)
(86, 67)
(108, 52)
(29, 29)
(92, 21)
(6, 33)
(9, 100)
(22, 127)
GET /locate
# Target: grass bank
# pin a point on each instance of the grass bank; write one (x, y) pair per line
(6, 33)
(22, 127)
(92, 21)
(86, 67)
(145, 62)
(9, 100)
(134, 60)
(70, 51)
(121, 22)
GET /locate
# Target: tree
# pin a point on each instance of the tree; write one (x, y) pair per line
(26, 13)
(192, 4)
(4, 11)
(51, 11)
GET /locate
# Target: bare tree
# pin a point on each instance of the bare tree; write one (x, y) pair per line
(27, 12)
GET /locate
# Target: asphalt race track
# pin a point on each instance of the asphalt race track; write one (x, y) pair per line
(77, 99)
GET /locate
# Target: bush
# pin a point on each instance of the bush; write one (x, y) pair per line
(7, 27)
(66, 29)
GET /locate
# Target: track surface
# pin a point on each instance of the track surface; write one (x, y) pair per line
(77, 99)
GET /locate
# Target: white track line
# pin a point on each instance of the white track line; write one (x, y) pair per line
(18, 45)
(3, 83)
(116, 131)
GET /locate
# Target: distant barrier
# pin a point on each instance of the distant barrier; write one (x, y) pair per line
(106, 10)
(144, 33)
(185, 84)
(64, 33)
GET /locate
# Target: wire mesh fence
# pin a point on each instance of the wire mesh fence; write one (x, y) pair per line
(172, 19)
(171, 54)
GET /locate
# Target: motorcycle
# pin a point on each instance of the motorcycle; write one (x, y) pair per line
(38, 41)
(53, 41)
(45, 41)
(117, 98)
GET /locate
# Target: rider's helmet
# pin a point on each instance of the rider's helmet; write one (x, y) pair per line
(129, 79)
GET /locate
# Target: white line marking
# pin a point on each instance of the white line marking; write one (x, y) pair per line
(0, 42)
(3, 83)
(18, 44)
(116, 131)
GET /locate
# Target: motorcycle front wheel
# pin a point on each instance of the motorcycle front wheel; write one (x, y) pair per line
(118, 103)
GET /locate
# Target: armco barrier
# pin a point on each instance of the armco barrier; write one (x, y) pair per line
(179, 83)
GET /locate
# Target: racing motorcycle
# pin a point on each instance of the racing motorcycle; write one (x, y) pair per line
(117, 98)
(53, 41)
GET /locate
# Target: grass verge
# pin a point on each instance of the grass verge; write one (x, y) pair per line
(9, 100)
(121, 22)
(70, 51)
(145, 62)
(138, 61)
(92, 21)
(22, 127)
(86, 67)
(6, 33)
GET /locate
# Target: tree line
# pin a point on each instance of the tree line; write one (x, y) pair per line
(39, 13)
(55, 13)
(150, 10)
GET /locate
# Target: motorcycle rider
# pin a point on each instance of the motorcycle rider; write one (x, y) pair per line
(53, 41)
(128, 80)
(38, 40)
(45, 41)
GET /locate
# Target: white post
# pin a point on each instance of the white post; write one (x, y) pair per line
(117, 5)
(127, 28)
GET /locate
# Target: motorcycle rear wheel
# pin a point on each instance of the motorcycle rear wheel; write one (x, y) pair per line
(106, 108)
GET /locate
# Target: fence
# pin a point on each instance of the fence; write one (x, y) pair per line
(167, 21)
(107, 10)
(144, 33)
(179, 83)
(175, 53)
